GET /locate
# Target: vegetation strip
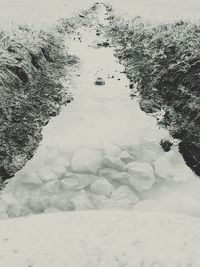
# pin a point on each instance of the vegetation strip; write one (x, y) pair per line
(163, 62)
(31, 63)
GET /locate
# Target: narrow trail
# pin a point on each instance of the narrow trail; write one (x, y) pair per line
(102, 151)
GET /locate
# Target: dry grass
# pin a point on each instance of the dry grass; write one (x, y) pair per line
(32, 61)
(164, 61)
(31, 64)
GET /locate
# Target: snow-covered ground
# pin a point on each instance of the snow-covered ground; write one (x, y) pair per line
(101, 152)
(100, 239)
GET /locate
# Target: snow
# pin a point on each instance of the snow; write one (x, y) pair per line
(101, 186)
(102, 239)
(44, 13)
(87, 160)
(38, 14)
(124, 192)
(99, 143)
(114, 162)
(169, 167)
(78, 181)
(162, 11)
(81, 165)
(141, 175)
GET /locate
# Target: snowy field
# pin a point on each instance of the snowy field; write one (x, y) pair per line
(47, 11)
(38, 14)
(159, 10)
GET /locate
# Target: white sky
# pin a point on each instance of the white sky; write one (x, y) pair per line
(38, 12)
(160, 10)
(47, 10)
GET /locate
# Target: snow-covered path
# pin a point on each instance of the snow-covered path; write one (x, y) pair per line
(100, 239)
(102, 151)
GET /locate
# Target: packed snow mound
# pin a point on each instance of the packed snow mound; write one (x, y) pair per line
(100, 239)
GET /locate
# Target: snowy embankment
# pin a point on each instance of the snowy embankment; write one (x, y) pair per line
(107, 238)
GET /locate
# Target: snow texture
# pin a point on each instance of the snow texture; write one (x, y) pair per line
(102, 151)
(91, 157)
(93, 238)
